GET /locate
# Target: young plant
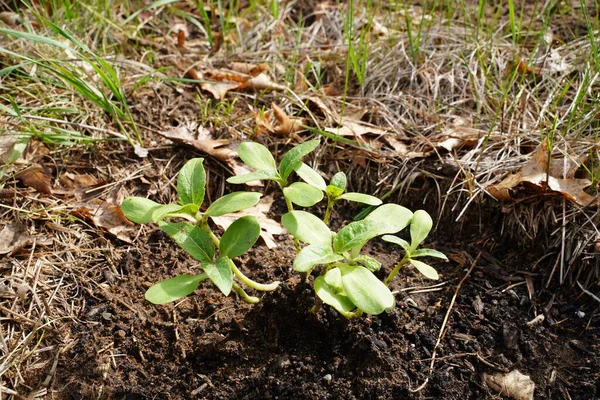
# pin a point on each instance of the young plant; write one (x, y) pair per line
(347, 283)
(420, 226)
(197, 238)
(335, 192)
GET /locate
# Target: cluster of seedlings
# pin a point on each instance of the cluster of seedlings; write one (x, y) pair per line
(345, 277)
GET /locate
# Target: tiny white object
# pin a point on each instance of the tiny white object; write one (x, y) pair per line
(579, 314)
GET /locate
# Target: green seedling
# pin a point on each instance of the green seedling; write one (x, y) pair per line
(347, 281)
(420, 226)
(195, 236)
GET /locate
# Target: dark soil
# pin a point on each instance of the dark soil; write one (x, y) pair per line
(213, 347)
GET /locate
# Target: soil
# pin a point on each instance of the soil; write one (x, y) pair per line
(215, 347)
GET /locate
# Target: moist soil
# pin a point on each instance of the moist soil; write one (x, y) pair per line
(215, 347)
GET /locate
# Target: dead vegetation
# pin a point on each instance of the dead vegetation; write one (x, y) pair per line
(420, 106)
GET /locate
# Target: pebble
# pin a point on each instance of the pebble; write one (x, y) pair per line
(327, 378)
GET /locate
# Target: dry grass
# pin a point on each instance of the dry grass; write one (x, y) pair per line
(471, 80)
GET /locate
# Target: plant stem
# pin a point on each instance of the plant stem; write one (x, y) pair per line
(249, 282)
(352, 314)
(184, 216)
(245, 296)
(330, 203)
(392, 274)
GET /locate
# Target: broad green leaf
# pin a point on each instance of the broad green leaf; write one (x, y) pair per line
(232, 202)
(333, 278)
(339, 181)
(142, 210)
(254, 176)
(369, 263)
(303, 194)
(388, 218)
(428, 253)
(220, 274)
(306, 227)
(315, 254)
(425, 269)
(174, 288)
(191, 238)
(191, 182)
(395, 239)
(330, 296)
(333, 191)
(420, 226)
(239, 236)
(361, 198)
(257, 156)
(292, 158)
(310, 176)
(367, 292)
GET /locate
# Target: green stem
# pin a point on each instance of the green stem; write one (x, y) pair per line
(249, 282)
(352, 314)
(245, 296)
(184, 216)
(392, 274)
(330, 203)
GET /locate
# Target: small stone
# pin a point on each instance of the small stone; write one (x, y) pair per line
(107, 316)
(579, 314)
(327, 378)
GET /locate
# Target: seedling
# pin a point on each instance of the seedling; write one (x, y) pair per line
(420, 226)
(197, 238)
(347, 281)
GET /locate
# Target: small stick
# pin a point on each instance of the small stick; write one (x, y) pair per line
(443, 328)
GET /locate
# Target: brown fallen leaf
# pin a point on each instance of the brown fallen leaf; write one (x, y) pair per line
(286, 126)
(199, 138)
(107, 216)
(36, 177)
(538, 177)
(268, 226)
(219, 81)
(13, 238)
(513, 384)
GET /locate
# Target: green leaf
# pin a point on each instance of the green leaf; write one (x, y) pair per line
(315, 254)
(395, 239)
(303, 194)
(306, 227)
(142, 210)
(367, 292)
(174, 288)
(388, 218)
(239, 236)
(191, 182)
(257, 156)
(330, 296)
(333, 191)
(428, 253)
(232, 202)
(190, 238)
(339, 181)
(220, 274)
(292, 158)
(311, 176)
(425, 269)
(254, 176)
(369, 263)
(333, 278)
(361, 198)
(420, 226)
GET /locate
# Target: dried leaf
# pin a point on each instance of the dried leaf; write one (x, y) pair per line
(107, 216)
(199, 138)
(36, 177)
(268, 226)
(514, 384)
(219, 89)
(262, 82)
(539, 177)
(13, 238)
